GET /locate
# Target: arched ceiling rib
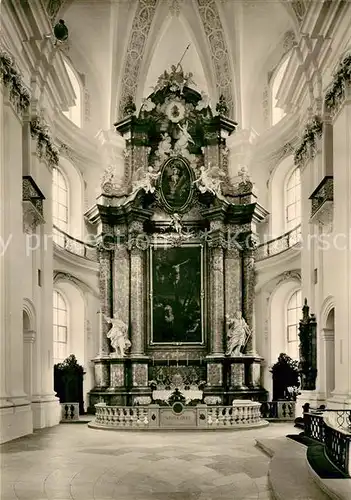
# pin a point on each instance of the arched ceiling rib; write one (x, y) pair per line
(212, 30)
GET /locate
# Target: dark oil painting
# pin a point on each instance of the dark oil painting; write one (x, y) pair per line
(176, 289)
(176, 184)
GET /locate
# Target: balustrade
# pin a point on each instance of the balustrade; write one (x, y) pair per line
(73, 245)
(333, 429)
(280, 244)
(282, 410)
(241, 414)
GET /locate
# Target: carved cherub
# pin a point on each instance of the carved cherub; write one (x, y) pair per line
(210, 180)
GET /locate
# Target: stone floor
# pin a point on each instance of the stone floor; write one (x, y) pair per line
(71, 461)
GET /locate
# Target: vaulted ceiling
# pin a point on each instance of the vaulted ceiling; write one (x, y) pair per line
(122, 46)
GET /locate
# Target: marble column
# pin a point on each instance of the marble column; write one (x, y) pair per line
(233, 292)
(101, 371)
(121, 282)
(217, 300)
(137, 239)
(105, 288)
(249, 277)
(137, 301)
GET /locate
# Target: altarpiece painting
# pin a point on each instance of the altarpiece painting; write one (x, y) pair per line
(176, 291)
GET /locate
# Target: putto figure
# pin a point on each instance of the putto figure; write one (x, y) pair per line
(184, 139)
(238, 334)
(210, 180)
(145, 180)
(118, 335)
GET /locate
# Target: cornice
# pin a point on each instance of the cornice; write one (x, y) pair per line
(83, 147)
(285, 257)
(75, 260)
(270, 142)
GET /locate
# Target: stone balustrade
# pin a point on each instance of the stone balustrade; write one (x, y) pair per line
(242, 414)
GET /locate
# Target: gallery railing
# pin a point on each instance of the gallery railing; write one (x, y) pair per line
(278, 410)
(279, 245)
(333, 429)
(73, 245)
(244, 414)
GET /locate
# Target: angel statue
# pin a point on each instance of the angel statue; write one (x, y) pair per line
(210, 180)
(243, 174)
(164, 146)
(145, 180)
(118, 335)
(238, 334)
(176, 223)
(184, 138)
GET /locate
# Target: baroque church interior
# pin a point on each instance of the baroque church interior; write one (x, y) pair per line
(175, 246)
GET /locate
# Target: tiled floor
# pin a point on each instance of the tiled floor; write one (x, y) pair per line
(72, 461)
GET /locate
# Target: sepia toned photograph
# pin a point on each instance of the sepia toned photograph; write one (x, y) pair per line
(175, 249)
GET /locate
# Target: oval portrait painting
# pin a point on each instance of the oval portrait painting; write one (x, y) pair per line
(176, 184)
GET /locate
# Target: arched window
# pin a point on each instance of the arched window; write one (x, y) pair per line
(293, 316)
(278, 113)
(293, 200)
(59, 204)
(60, 323)
(75, 112)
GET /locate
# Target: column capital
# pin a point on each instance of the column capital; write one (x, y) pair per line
(29, 336)
(327, 334)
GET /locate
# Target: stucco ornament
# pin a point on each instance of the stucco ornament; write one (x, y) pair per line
(204, 103)
(148, 105)
(175, 111)
(181, 144)
(210, 180)
(110, 181)
(176, 79)
(145, 180)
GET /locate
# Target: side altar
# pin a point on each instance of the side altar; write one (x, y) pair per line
(177, 246)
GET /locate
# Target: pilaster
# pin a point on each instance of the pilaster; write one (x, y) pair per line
(342, 231)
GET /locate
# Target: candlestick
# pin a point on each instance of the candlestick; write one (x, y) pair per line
(187, 359)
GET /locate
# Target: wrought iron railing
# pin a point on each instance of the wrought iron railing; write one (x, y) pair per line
(322, 194)
(281, 410)
(280, 244)
(333, 429)
(314, 426)
(74, 245)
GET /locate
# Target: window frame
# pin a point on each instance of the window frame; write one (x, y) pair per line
(55, 341)
(80, 97)
(287, 226)
(295, 325)
(284, 60)
(68, 195)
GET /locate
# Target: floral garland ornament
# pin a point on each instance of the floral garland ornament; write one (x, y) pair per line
(45, 147)
(18, 93)
(342, 78)
(307, 148)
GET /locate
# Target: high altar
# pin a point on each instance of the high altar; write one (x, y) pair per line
(177, 257)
